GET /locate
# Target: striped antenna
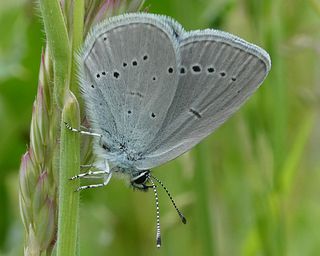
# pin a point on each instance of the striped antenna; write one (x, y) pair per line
(157, 212)
(183, 219)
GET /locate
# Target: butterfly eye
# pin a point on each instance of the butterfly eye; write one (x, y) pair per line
(141, 178)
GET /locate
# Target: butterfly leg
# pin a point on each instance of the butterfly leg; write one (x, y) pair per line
(82, 132)
(104, 172)
(89, 174)
(85, 128)
(105, 182)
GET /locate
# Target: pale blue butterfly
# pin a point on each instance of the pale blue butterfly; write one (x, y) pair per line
(153, 91)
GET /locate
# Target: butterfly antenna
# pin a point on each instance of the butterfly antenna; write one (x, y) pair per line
(183, 219)
(157, 213)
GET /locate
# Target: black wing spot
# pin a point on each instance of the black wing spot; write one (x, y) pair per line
(222, 74)
(145, 57)
(116, 74)
(136, 94)
(124, 64)
(154, 78)
(98, 75)
(153, 115)
(134, 63)
(104, 39)
(129, 111)
(175, 33)
(196, 68)
(92, 86)
(105, 147)
(170, 70)
(210, 69)
(182, 70)
(233, 78)
(196, 113)
(103, 73)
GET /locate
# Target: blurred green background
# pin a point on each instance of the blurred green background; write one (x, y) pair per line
(251, 188)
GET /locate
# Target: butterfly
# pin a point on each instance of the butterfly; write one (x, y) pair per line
(153, 91)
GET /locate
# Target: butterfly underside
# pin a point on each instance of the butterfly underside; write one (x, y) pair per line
(153, 90)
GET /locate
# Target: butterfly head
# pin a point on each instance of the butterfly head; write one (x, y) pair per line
(140, 179)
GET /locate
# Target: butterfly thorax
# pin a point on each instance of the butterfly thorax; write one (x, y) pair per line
(122, 159)
(119, 154)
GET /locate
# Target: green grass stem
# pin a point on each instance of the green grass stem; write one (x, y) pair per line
(77, 39)
(59, 47)
(68, 217)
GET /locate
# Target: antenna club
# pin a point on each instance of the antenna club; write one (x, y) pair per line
(158, 242)
(183, 219)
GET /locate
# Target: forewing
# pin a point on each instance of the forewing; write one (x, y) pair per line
(130, 78)
(218, 73)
